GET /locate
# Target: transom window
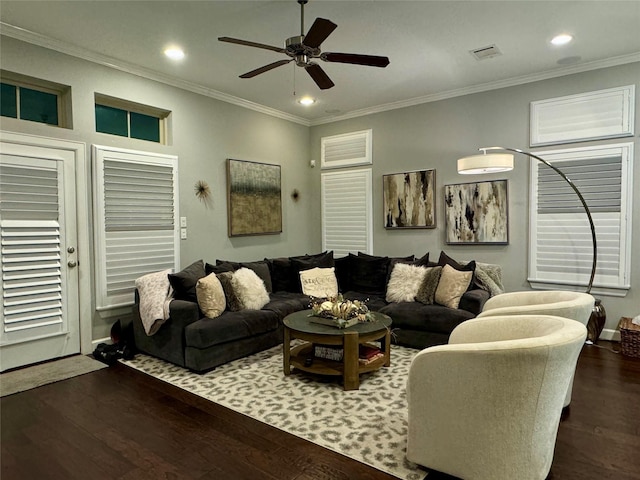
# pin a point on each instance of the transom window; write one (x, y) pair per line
(35, 100)
(128, 119)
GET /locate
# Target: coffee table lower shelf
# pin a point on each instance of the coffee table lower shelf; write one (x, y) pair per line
(324, 366)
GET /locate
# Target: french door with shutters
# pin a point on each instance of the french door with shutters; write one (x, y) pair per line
(38, 234)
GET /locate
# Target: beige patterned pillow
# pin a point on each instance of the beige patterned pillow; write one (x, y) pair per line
(452, 285)
(404, 282)
(427, 291)
(319, 282)
(210, 294)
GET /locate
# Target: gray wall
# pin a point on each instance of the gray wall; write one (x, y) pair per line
(205, 133)
(435, 135)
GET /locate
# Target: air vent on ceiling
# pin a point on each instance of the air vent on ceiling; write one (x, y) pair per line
(485, 52)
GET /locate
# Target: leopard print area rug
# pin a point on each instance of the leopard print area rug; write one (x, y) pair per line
(368, 425)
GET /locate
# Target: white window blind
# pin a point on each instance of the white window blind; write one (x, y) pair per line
(30, 237)
(346, 150)
(136, 207)
(586, 116)
(561, 249)
(347, 212)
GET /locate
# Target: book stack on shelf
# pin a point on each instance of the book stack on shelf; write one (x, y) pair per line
(367, 354)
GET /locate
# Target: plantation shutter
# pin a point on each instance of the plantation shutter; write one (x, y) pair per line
(347, 149)
(562, 248)
(136, 220)
(30, 235)
(346, 212)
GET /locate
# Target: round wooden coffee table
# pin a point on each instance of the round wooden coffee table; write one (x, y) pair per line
(299, 325)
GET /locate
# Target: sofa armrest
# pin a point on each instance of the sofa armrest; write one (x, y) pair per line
(183, 313)
(168, 343)
(473, 300)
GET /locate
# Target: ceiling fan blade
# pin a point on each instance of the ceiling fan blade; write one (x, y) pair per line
(322, 79)
(251, 44)
(318, 32)
(266, 68)
(368, 60)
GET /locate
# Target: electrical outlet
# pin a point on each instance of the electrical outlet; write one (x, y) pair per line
(183, 222)
(183, 233)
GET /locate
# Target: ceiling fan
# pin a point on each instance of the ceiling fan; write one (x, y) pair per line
(303, 49)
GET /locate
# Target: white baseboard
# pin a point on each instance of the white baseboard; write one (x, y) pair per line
(612, 335)
(94, 343)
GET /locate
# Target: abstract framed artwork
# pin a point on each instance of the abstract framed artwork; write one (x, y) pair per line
(254, 198)
(409, 199)
(477, 213)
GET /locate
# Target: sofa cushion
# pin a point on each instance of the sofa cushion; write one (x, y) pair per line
(230, 326)
(280, 270)
(250, 289)
(452, 285)
(211, 298)
(220, 268)
(428, 318)
(284, 303)
(368, 274)
(404, 282)
(319, 282)
(184, 282)
(343, 269)
(373, 302)
(427, 291)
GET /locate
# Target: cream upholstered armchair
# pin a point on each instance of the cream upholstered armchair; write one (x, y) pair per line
(574, 305)
(487, 405)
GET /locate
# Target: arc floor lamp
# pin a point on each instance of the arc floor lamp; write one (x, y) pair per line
(503, 162)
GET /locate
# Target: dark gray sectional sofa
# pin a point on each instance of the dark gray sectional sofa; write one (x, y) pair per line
(191, 340)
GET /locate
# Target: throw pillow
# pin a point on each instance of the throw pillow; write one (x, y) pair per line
(319, 282)
(307, 262)
(343, 267)
(404, 282)
(250, 289)
(262, 270)
(369, 274)
(235, 265)
(427, 291)
(219, 268)
(233, 303)
(280, 270)
(452, 285)
(211, 299)
(424, 261)
(184, 282)
(447, 260)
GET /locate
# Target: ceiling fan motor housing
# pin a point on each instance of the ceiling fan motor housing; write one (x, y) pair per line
(299, 51)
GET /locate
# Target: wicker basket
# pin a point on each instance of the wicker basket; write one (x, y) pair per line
(630, 337)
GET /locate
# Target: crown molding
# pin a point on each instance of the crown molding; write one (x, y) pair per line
(107, 61)
(484, 87)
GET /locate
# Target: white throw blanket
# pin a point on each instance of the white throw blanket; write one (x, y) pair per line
(155, 296)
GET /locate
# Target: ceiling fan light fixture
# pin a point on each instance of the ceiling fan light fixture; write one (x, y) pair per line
(307, 101)
(561, 39)
(174, 53)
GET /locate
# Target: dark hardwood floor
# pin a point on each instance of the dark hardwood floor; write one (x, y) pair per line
(117, 423)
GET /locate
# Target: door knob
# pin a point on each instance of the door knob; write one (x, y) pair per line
(72, 264)
(71, 249)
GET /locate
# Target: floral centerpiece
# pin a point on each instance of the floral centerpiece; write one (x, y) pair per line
(339, 312)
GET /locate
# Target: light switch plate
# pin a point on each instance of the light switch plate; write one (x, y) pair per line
(183, 233)
(183, 222)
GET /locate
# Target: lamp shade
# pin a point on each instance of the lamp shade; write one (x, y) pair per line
(486, 163)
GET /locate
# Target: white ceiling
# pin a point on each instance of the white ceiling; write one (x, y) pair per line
(428, 43)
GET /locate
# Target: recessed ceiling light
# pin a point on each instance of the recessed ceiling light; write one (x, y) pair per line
(174, 53)
(562, 39)
(306, 101)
